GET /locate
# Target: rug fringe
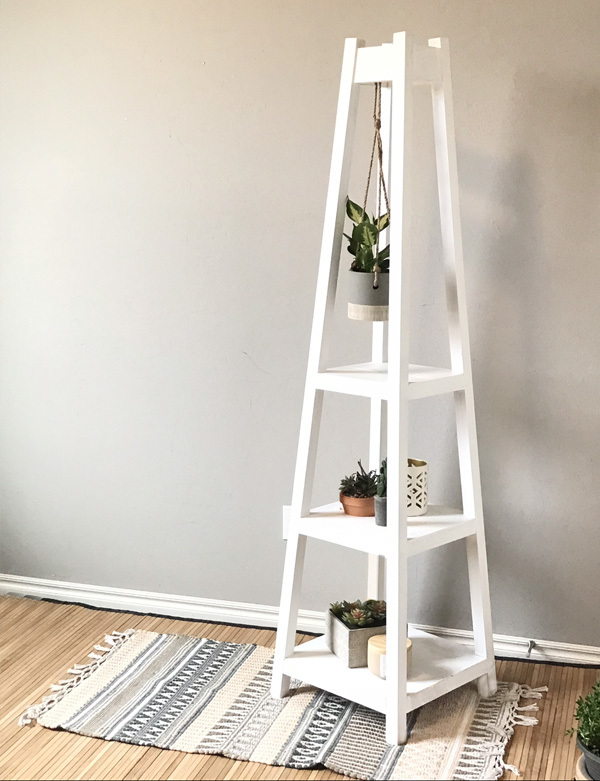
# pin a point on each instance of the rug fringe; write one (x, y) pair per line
(79, 672)
(494, 749)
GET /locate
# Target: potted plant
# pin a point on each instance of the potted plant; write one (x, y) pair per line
(381, 496)
(416, 493)
(368, 278)
(357, 492)
(349, 625)
(588, 730)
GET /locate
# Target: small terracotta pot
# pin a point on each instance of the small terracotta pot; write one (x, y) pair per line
(364, 508)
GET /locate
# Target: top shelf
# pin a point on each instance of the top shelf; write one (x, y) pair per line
(371, 379)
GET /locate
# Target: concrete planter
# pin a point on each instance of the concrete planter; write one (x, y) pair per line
(592, 761)
(366, 302)
(349, 645)
(381, 510)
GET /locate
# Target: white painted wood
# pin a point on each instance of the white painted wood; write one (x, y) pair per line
(402, 64)
(439, 526)
(317, 359)
(447, 170)
(225, 611)
(371, 380)
(376, 63)
(427, 67)
(438, 666)
(327, 279)
(398, 348)
(288, 617)
(376, 564)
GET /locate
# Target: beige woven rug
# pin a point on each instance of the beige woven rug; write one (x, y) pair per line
(204, 696)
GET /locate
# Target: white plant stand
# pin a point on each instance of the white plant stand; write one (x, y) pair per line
(438, 665)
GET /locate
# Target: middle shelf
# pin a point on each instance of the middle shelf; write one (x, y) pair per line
(439, 526)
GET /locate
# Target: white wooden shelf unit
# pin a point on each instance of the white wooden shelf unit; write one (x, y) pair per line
(438, 665)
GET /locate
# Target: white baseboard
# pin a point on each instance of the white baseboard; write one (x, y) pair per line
(223, 611)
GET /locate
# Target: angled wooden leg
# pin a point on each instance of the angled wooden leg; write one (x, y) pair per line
(481, 610)
(288, 611)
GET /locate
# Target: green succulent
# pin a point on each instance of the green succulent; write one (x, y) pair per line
(363, 241)
(360, 484)
(588, 719)
(358, 618)
(382, 479)
(377, 608)
(357, 614)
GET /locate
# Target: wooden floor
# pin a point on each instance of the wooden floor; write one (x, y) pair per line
(41, 640)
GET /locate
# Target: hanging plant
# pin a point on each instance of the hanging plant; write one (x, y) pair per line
(364, 241)
(368, 287)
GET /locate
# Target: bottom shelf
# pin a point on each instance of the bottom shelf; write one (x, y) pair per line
(438, 666)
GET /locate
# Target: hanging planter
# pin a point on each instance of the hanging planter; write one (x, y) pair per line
(368, 278)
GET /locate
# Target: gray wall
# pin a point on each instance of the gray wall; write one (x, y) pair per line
(163, 176)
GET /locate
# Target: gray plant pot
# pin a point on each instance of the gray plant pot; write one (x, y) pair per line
(592, 761)
(366, 302)
(381, 510)
(349, 645)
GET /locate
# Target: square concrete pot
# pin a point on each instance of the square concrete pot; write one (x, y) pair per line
(349, 645)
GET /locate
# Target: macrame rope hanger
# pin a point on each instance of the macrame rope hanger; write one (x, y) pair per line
(381, 187)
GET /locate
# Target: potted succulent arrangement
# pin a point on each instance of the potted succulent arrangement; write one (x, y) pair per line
(349, 625)
(588, 730)
(381, 496)
(357, 492)
(368, 278)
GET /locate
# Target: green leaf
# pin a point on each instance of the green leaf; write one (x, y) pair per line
(352, 246)
(354, 211)
(364, 256)
(365, 233)
(383, 222)
(384, 254)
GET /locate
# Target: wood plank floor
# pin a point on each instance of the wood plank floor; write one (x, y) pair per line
(41, 640)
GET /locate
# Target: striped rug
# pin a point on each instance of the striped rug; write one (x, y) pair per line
(204, 696)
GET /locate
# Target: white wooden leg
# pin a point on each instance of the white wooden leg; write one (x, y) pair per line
(492, 681)
(288, 611)
(376, 564)
(376, 577)
(396, 735)
(483, 686)
(398, 356)
(481, 609)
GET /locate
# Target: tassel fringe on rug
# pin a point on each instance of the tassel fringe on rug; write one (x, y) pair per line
(210, 697)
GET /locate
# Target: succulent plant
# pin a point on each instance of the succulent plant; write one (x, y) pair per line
(588, 720)
(382, 479)
(377, 608)
(364, 240)
(358, 618)
(357, 614)
(360, 484)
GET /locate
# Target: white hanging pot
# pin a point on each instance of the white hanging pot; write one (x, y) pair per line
(416, 489)
(365, 301)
